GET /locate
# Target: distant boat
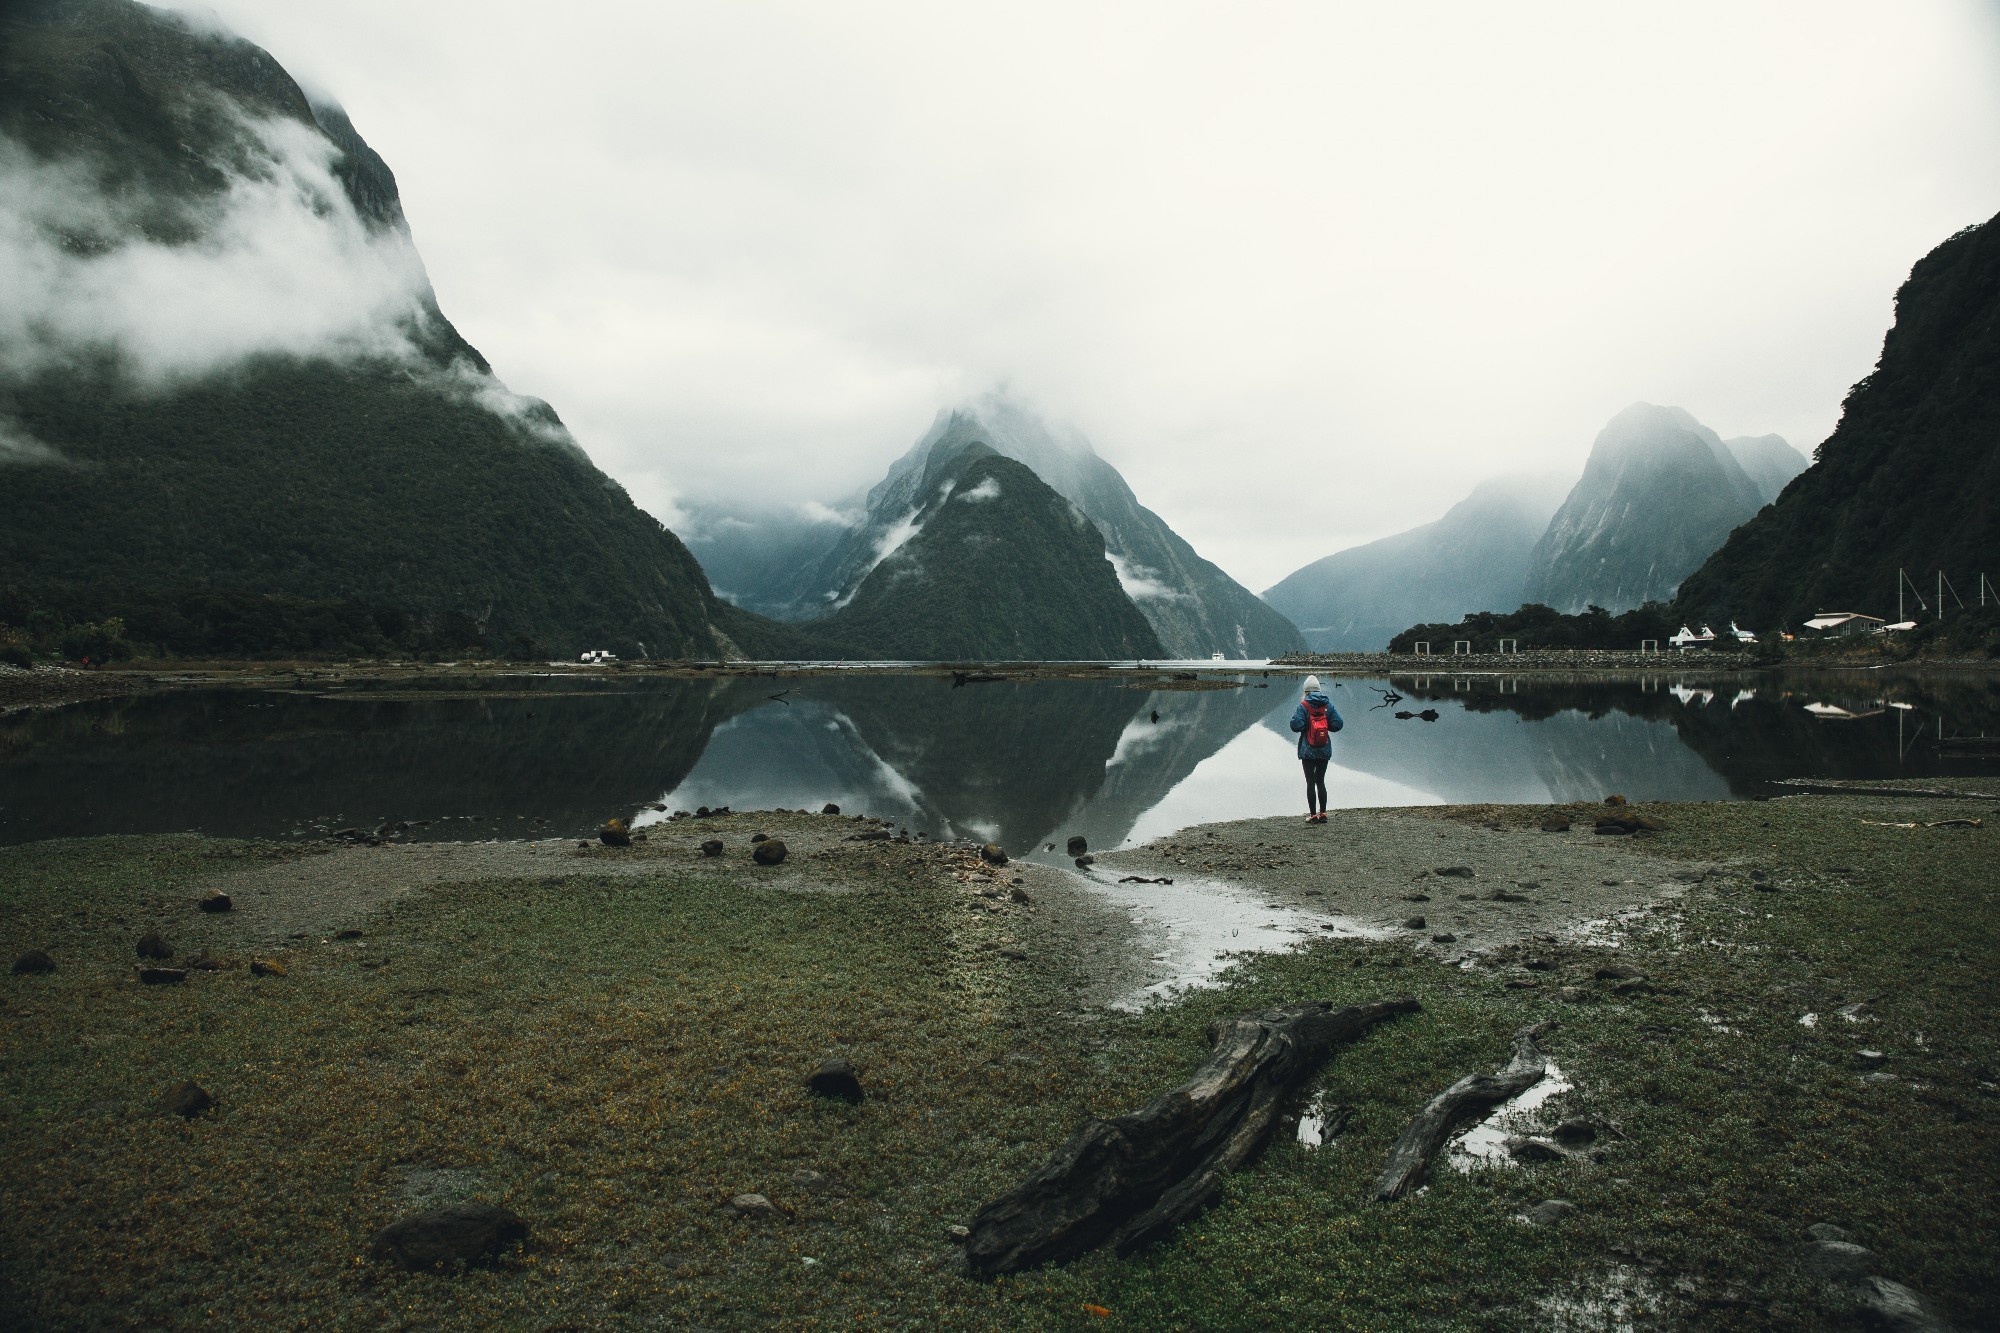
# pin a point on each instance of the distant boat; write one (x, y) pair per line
(1687, 638)
(1215, 657)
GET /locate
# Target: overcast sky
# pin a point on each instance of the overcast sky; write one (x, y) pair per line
(1304, 273)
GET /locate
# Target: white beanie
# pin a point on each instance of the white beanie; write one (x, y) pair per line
(1312, 685)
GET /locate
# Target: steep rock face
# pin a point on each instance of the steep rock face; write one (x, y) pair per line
(1769, 460)
(1660, 492)
(1910, 477)
(1475, 558)
(1193, 607)
(231, 372)
(988, 564)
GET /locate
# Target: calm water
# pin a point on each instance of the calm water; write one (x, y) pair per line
(1022, 764)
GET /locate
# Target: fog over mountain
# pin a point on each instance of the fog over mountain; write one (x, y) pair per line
(1475, 558)
(1768, 460)
(801, 562)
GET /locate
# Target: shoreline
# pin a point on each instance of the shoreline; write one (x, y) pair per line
(613, 1041)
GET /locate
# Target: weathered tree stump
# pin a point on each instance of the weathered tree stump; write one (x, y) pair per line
(1129, 1181)
(1471, 1098)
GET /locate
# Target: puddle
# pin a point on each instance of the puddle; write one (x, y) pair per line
(1322, 1121)
(1189, 931)
(1615, 1300)
(1482, 1145)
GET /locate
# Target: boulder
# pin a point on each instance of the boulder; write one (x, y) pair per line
(460, 1233)
(1839, 1260)
(1078, 844)
(1828, 1231)
(615, 834)
(993, 854)
(161, 976)
(1628, 821)
(153, 945)
(1555, 824)
(1445, 938)
(1531, 1148)
(1614, 800)
(836, 1079)
(1086, 861)
(266, 967)
(1415, 923)
(186, 1100)
(753, 1206)
(1620, 972)
(1576, 1132)
(1020, 895)
(1896, 1307)
(1550, 1211)
(759, 837)
(829, 809)
(33, 963)
(713, 847)
(1453, 872)
(215, 900)
(769, 852)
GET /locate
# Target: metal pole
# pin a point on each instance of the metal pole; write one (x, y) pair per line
(1940, 619)
(1899, 596)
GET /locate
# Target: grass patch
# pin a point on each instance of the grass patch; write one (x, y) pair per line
(614, 1058)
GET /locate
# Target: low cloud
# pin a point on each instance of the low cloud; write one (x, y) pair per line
(18, 447)
(984, 491)
(1141, 582)
(281, 263)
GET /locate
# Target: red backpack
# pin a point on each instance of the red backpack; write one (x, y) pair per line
(1317, 733)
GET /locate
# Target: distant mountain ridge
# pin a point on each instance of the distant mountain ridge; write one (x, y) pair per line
(1659, 493)
(1910, 477)
(1474, 558)
(1193, 607)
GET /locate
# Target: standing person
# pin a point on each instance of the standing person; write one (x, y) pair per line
(1315, 720)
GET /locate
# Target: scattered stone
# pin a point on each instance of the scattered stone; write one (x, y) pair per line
(1839, 1260)
(583, 846)
(957, 1235)
(34, 962)
(154, 945)
(753, 1206)
(615, 834)
(829, 809)
(1614, 800)
(1900, 1308)
(215, 900)
(1532, 1148)
(1550, 1211)
(266, 967)
(1555, 824)
(769, 852)
(349, 934)
(1086, 861)
(1453, 872)
(1020, 896)
(1445, 938)
(161, 976)
(1414, 923)
(201, 960)
(1416, 897)
(186, 1100)
(1758, 877)
(460, 1233)
(759, 837)
(871, 835)
(1870, 1059)
(1508, 896)
(1619, 972)
(993, 854)
(1576, 1132)
(805, 1181)
(713, 847)
(836, 1079)
(1077, 845)
(1538, 965)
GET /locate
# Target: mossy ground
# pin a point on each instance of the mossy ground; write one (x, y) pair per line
(614, 1058)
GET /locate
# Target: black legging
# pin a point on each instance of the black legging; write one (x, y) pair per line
(1315, 785)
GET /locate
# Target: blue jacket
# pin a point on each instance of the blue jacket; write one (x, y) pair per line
(1333, 724)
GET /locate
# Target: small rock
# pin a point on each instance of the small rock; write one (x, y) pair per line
(1900, 1308)
(769, 852)
(615, 834)
(349, 934)
(1758, 877)
(1508, 896)
(201, 960)
(1522, 983)
(1086, 861)
(33, 963)
(161, 976)
(1870, 1059)
(1614, 800)
(1414, 923)
(993, 854)
(1550, 1211)
(1416, 897)
(1576, 1132)
(1445, 938)
(1828, 1231)
(186, 1100)
(1020, 896)
(215, 900)
(1555, 824)
(753, 1206)
(759, 837)
(1077, 845)
(808, 1182)
(461, 1233)
(1529, 1148)
(1839, 1260)
(958, 1235)
(1619, 972)
(1453, 872)
(1539, 965)
(836, 1079)
(713, 847)
(583, 846)
(1014, 954)
(1626, 821)
(266, 967)
(829, 809)
(153, 945)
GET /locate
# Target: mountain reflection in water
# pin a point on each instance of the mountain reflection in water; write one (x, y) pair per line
(1020, 763)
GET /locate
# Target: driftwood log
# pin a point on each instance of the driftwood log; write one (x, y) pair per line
(1129, 1181)
(1471, 1098)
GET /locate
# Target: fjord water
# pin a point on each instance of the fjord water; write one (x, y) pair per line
(1022, 763)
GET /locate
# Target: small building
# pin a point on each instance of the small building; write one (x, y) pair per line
(1837, 624)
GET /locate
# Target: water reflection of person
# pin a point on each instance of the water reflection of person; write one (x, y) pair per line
(1315, 719)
